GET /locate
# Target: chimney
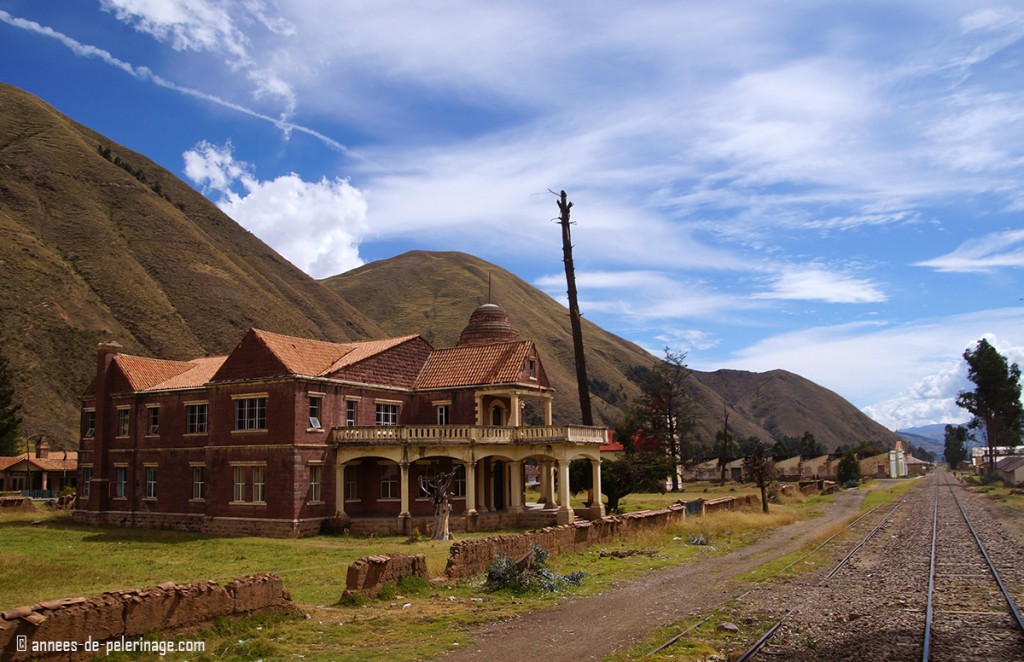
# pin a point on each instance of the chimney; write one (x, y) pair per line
(42, 448)
(107, 351)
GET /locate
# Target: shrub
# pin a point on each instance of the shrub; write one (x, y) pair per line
(506, 574)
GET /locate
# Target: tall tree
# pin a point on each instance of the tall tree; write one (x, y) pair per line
(759, 467)
(809, 446)
(848, 469)
(724, 439)
(955, 445)
(994, 403)
(665, 413)
(10, 412)
(582, 385)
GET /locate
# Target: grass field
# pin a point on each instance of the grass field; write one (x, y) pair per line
(47, 556)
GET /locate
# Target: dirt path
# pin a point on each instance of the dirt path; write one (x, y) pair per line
(591, 628)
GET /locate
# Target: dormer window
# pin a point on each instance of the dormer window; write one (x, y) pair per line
(533, 369)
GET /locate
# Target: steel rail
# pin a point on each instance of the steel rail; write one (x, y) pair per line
(768, 635)
(931, 580)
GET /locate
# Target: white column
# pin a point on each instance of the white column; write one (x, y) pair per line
(547, 411)
(481, 485)
(480, 413)
(547, 493)
(403, 489)
(516, 416)
(595, 477)
(470, 488)
(516, 469)
(565, 513)
(339, 488)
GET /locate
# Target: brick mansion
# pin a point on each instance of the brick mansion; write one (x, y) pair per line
(286, 434)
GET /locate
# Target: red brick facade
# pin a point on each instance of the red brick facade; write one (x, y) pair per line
(286, 433)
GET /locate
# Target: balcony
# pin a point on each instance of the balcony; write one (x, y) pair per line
(469, 434)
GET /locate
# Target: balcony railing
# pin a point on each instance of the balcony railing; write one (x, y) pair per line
(464, 434)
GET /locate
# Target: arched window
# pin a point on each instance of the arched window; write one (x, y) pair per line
(497, 415)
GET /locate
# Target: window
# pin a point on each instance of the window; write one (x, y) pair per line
(196, 418)
(153, 413)
(497, 415)
(199, 483)
(120, 482)
(150, 482)
(315, 402)
(387, 414)
(351, 484)
(533, 369)
(251, 413)
(123, 416)
(350, 413)
(239, 475)
(90, 423)
(86, 482)
(314, 482)
(257, 484)
(442, 414)
(459, 482)
(389, 475)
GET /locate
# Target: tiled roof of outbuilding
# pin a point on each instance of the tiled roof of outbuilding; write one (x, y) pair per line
(501, 363)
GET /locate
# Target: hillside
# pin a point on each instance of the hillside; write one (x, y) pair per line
(99, 246)
(97, 243)
(434, 293)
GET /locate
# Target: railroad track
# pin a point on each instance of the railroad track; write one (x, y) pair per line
(936, 578)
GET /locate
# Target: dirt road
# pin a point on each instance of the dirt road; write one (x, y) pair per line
(591, 628)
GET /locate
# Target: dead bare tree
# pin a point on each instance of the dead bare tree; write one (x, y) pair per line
(437, 491)
(574, 311)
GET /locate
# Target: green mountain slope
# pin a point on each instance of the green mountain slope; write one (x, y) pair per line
(97, 242)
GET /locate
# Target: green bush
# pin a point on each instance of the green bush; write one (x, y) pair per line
(504, 574)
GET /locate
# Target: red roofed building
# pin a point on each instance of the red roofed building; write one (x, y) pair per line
(40, 474)
(284, 434)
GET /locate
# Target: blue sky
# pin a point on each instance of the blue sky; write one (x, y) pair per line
(832, 188)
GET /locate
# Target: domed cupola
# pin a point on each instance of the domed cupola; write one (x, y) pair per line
(488, 324)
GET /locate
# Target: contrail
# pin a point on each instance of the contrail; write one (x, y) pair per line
(146, 74)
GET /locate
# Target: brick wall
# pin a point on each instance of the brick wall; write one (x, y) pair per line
(133, 613)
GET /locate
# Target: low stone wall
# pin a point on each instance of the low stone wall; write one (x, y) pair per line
(133, 613)
(369, 574)
(16, 504)
(471, 557)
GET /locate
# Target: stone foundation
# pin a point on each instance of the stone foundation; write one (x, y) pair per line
(219, 526)
(133, 613)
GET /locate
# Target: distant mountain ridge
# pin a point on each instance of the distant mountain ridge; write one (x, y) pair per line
(100, 243)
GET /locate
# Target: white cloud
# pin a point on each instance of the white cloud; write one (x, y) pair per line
(983, 254)
(933, 398)
(819, 284)
(871, 363)
(196, 25)
(315, 225)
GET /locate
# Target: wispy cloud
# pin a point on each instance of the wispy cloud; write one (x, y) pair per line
(143, 73)
(999, 250)
(820, 284)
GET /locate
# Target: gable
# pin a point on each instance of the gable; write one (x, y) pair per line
(250, 358)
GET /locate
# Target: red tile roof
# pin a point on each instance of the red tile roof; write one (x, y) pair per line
(501, 363)
(145, 373)
(315, 358)
(200, 372)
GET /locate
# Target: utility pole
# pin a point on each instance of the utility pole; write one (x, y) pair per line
(574, 311)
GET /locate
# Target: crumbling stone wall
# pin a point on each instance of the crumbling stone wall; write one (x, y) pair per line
(133, 613)
(471, 557)
(16, 504)
(369, 574)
